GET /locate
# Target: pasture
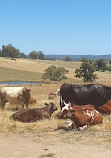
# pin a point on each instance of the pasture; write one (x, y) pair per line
(53, 127)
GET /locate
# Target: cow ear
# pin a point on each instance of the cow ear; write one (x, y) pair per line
(69, 104)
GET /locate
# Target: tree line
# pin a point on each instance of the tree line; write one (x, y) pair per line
(12, 52)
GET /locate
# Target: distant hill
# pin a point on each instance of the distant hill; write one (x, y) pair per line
(78, 57)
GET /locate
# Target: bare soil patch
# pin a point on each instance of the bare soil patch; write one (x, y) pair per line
(30, 146)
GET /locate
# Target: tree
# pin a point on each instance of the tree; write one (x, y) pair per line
(22, 55)
(41, 55)
(33, 55)
(10, 51)
(101, 65)
(86, 72)
(68, 58)
(0, 52)
(55, 74)
(84, 59)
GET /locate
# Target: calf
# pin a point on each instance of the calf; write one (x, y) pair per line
(52, 95)
(81, 115)
(32, 101)
(34, 114)
(14, 95)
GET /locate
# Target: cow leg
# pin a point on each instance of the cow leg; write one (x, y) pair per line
(22, 104)
(21, 101)
(82, 128)
(26, 105)
(2, 104)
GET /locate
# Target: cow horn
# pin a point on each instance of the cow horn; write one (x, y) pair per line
(69, 104)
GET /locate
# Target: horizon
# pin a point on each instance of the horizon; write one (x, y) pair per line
(57, 27)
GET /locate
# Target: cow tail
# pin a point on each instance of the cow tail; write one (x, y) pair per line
(60, 102)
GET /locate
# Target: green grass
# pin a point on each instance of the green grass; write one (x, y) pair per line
(21, 75)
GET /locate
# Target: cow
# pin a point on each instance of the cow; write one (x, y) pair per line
(34, 114)
(14, 95)
(53, 95)
(106, 108)
(95, 94)
(81, 116)
(32, 101)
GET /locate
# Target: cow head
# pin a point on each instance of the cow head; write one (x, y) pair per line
(66, 111)
(51, 107)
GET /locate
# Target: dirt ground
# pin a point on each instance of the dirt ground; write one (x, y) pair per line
(16, 146)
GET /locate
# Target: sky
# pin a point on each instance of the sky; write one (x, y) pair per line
(60, 27)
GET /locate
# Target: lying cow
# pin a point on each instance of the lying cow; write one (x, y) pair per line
(34, 114)
(32, 101)
(14, 95)
(81, 116)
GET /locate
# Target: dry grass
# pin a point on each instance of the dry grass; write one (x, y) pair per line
(53, 127)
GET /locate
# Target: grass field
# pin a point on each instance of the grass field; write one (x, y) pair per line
(32, 70)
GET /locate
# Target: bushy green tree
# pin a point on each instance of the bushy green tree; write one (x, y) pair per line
(86, 72)
(33, 55)
(109, 68)
(54, 73)
(36, 55)
(22, 55)
(10, 51)
(41, 55)
(101, 65)
(68, 58)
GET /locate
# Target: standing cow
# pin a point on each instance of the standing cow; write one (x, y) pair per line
(14, 95)
(96, 94)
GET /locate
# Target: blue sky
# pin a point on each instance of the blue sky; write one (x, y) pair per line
(74, 27)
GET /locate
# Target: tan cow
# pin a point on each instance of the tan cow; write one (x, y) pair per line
(14, 95)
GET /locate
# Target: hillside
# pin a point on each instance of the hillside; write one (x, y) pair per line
(32, 70)
(78, 57)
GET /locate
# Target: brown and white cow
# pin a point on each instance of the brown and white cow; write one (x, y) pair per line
(81, 116)
(14, 95)
(34, 114)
